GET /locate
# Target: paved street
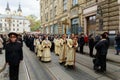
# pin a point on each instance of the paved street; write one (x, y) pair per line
(32, 69)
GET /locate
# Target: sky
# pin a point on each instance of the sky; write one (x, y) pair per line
(28, 6)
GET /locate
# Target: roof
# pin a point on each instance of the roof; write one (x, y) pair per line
(19, 9)
(13, 17)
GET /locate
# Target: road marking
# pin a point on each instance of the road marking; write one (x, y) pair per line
(26, 69)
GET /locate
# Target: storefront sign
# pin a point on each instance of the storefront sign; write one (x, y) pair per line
(112, 32)
(90, 9)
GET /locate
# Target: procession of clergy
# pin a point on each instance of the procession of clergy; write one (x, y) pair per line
(64, 47)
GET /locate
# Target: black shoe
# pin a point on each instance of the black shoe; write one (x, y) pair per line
(60, 63)
(91, 56)
(40, 58)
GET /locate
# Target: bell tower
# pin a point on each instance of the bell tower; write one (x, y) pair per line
(19, 10)
(7, 9)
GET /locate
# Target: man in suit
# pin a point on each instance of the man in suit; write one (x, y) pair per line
(13, 55)
(81, 43)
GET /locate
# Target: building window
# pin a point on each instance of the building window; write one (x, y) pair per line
(5, 25)
(64, 5)
(92, 20)
(17, 29)
(74, 2)
(13, 25)
(75, 26)
(46, 16)
(17, 25)
(13, 29)
(50, 14)
(55, 11)
(41, 19)
(1, 25)
(5, 20)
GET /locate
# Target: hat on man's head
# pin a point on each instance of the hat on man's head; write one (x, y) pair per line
(12, 34)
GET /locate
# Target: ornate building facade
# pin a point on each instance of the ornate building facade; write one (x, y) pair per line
(61, 16)
(76, 16)
(13, 21)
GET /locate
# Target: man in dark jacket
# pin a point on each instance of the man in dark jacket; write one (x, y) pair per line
(13, 55)
(117, 39)
(81, 43)
(91, 45)
(102, 48)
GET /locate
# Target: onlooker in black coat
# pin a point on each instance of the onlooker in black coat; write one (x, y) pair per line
(31, 43)
(81, 43)
(102, 48)
(91, 45)
(117, 40)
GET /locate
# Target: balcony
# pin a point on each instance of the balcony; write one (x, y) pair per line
(74, 6)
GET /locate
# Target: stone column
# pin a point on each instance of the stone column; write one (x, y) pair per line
(119, 15)
(85, 26)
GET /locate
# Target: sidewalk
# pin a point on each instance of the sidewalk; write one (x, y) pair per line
(110, 56)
